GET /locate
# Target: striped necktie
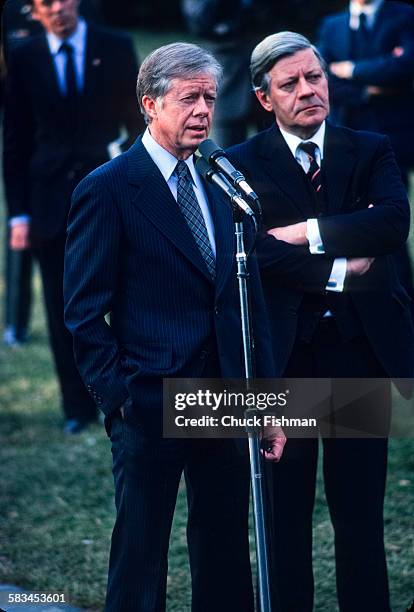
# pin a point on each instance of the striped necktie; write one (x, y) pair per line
(314, 172)
(191, 210)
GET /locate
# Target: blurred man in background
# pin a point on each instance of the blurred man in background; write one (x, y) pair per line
(69, 92)
(369, 49)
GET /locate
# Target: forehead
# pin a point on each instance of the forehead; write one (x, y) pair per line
(301, 61)
(196, 83)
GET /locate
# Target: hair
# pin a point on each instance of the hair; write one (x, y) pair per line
(175, 61)
(272, 49)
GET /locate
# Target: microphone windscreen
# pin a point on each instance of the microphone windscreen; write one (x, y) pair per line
(209, 149)
(202, 167)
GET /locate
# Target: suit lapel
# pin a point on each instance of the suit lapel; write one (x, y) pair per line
(338, 165)
(93, 62)
(224, 234)
(279, 163)
(154, 199)
(44, 62)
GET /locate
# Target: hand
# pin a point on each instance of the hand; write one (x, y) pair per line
(374, 90)
(275, 441)
(397, 51)
(19, 237)
(343, 70)
(358, 266)
(292, 234)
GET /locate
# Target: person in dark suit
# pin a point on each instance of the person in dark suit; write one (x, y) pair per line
(17, 26)
(335, 209)
(369, 49)
(70, 91)
(161, 259)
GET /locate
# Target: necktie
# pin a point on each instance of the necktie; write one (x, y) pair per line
(314, 172)
(70, 75)
(363, 38)
(191, 210)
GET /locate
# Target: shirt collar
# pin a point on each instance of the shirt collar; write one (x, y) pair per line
(370, 11)
(162, 158)
(77, 39)
(293, 141)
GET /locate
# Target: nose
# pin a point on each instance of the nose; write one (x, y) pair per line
(56, 5)
(304, 88)
(200, 107)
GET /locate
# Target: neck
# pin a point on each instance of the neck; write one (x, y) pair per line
(302, 133)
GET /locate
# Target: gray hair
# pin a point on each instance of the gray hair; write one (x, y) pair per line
(272, 49)
(175, 61)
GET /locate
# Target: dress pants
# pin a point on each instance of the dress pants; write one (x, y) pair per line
(77, 403)
(354, 472)
(147, 471)
(18, 292)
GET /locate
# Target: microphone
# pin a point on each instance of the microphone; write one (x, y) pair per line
(218, 179)
(217, 158)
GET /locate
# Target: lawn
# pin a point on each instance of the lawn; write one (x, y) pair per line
(56, 493)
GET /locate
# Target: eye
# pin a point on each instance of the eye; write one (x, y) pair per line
(289, 86)
(314, 77)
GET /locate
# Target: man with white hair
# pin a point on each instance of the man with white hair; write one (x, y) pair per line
(153, 245)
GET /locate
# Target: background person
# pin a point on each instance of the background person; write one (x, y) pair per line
(69, 93)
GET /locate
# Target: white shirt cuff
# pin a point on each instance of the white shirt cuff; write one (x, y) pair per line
(314, 238)
(337, 277)
(18, 220)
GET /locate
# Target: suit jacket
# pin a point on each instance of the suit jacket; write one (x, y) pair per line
(50, 145)
(130, 252)
(358, 169)
(391, 113)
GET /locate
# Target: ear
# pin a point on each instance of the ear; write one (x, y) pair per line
(264, 100)
(150, 106)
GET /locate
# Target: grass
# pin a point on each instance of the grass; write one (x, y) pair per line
(56, 494)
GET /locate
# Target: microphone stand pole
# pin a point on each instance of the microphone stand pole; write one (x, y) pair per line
(256, 472)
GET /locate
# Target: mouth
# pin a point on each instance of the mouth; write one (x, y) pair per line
(311, 108)
(199, 129)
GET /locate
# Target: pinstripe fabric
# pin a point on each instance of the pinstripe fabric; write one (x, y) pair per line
(130, 252)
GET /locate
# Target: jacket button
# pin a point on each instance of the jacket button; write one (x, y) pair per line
(203, 354)
(216, 310)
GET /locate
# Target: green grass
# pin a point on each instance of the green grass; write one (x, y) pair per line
(56, 494)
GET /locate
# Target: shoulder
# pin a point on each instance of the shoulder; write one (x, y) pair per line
(398, 9)
(331, 22)
(110, 36)
(251, 146)
(366, 143)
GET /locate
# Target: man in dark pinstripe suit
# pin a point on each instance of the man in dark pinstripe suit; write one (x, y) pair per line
(153, 245)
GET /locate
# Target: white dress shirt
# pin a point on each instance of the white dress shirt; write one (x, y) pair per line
(78, 41)
(370, 11)
(166, 163)
(338, 272)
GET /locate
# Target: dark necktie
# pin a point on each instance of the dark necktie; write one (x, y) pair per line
(314, 172)
(70, 75)
(363, 38)
(191, 210)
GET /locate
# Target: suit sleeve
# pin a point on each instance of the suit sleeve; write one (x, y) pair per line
(18, 135)
(90, 281)
(371, 232)
(387, 69)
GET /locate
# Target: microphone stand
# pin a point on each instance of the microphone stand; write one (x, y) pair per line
(256, 471)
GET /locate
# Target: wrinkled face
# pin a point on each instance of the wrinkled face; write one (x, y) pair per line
(182, 118)
(298, 94)
(59, 17)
